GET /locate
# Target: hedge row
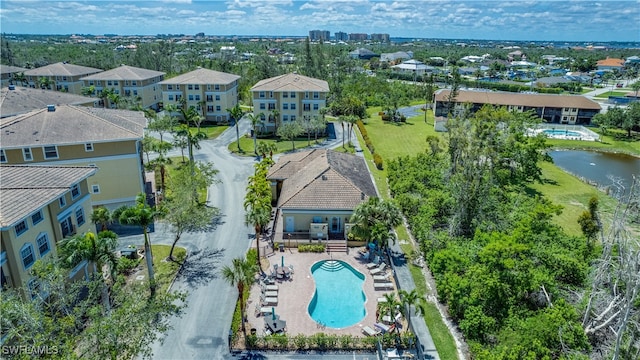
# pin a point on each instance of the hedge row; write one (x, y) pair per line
(322, 342)
(314, 248)
(377, 159)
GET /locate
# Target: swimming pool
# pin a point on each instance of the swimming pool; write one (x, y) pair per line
(338, 301)
(554, 132)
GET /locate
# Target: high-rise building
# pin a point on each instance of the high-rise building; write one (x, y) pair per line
(358, 37)
(383, 38)
(317, 35)
(342, 36)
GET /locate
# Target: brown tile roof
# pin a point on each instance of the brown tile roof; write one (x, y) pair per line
(322, 179)
(24, 99)
(25, 189)
(125, 72)
(202, 76)
(62, 69)
(70, 124)
(518, 99)
(610, 62)
(291, 82)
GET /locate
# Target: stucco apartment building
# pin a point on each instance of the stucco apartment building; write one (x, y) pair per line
(291, 97)
(7, 74)
(563, 109)
(107, 139)
(62, 76)
(210, 92)
(40, 206)
(141, 85)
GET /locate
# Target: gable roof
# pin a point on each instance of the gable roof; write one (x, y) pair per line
(291, 82)
(24, 99)
(507, 98)
(611, 62)
(28, 188)
(62, 69)
(125, 72)
(202, 76)
(322, 179)
(70, 124)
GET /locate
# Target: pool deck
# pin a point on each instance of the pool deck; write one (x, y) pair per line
(295, 294)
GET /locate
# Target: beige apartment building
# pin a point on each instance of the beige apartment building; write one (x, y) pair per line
(130, 83)
(40, 206)
(210, 92)
(288, 98)
(60, 76)
(107, 139)
(8, 75)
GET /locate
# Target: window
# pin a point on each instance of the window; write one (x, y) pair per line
(62, 201)
(90, 82)
(37, 217)
(75, 191)
(115, 83)
(306, 94)
(67, 227)
(26, 152)
(293, 118)
(262, 107)
(272, 106)
(109, 83)
(127, 92)
(306, 107)
(169, 87)
(209, 97)
(43, 244)
(316, 95)
(134, 83)
(315, 107)
(135, 92)
(217, 97)
(197, 97)
(271, 94)
(170, 97)
(26, 253)
(217, 107)
(34, 288)
(79, 216)
(293, 106)
(209, 108)
(285, 118)
(285, 106)
(3, 156)
(262, 117)
(190, 87)
(285, 94)
(50, 152)
(88, 147)
(197, 87)
(217, 87)
(21, 227)
(293, 95)
(177, 87)
(261, 94)
(190, 97)
(95, 189)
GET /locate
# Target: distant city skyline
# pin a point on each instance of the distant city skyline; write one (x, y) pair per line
(582, 21)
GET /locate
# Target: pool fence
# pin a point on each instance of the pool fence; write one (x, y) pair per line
(563, 127)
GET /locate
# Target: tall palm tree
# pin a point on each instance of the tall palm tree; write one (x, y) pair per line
(142, 215)
(97, 250)
(236, 114)
(259, 217)
(255, 120)
(276, 115)
(101, 216)
(410, 299)
(375, 219)
(241, 273)
(392, 307)
(257, 201)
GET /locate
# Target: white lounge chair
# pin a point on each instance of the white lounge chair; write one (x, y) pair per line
(266, 301)
(374, 263)
(382, 278)
(367, 330)
(379, 269)
(382, 327)
(383, 286)
(270, 294)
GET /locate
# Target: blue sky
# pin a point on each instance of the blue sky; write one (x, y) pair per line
(567, 20)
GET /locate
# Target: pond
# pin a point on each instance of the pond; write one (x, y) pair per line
(598, 167)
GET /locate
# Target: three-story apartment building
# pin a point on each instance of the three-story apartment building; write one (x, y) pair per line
(210, 92)
(287, 98)
(139, 85)
(107, 139)
(40, 206)
(60, 76)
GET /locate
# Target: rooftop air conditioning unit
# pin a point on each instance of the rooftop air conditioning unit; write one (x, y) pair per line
(51, 108)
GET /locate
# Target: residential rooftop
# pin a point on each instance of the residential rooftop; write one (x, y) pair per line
(8, 69)
(291, 82)
(62, 69)
(519, 99)
(27, 188)
(125, 72)
(24, 99)
(202, 76)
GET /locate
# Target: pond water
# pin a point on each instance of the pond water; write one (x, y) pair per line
(598, 167)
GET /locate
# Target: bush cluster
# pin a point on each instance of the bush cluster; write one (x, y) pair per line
(377, 159)
(314, 248)
(365, 136)
(322, 342)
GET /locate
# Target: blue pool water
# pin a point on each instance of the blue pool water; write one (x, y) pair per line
(339, 300)
(561, 132)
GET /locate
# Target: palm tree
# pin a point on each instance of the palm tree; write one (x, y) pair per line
(255, 120)
(101, 216)
(114, 98)
(241, 273)
(375, 219)
(192, 139)
(236, 114)
(276, 114)
(98, 251)
(392, 307)
(259, 217)
(45, 83)
(142, 215)
(104, 96)
(257, 201)
(412, 298)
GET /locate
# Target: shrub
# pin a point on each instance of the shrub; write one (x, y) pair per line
(300, 341)
(314, 248)
(319, 340)
(377, 159)
(125, 265)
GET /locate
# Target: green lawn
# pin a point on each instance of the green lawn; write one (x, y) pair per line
(605, 95)
(164, 271)
(212, 131)
(246, 145)
(176, 163)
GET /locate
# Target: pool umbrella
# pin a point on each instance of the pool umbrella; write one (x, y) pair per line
(283, 261)
(273, 313)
